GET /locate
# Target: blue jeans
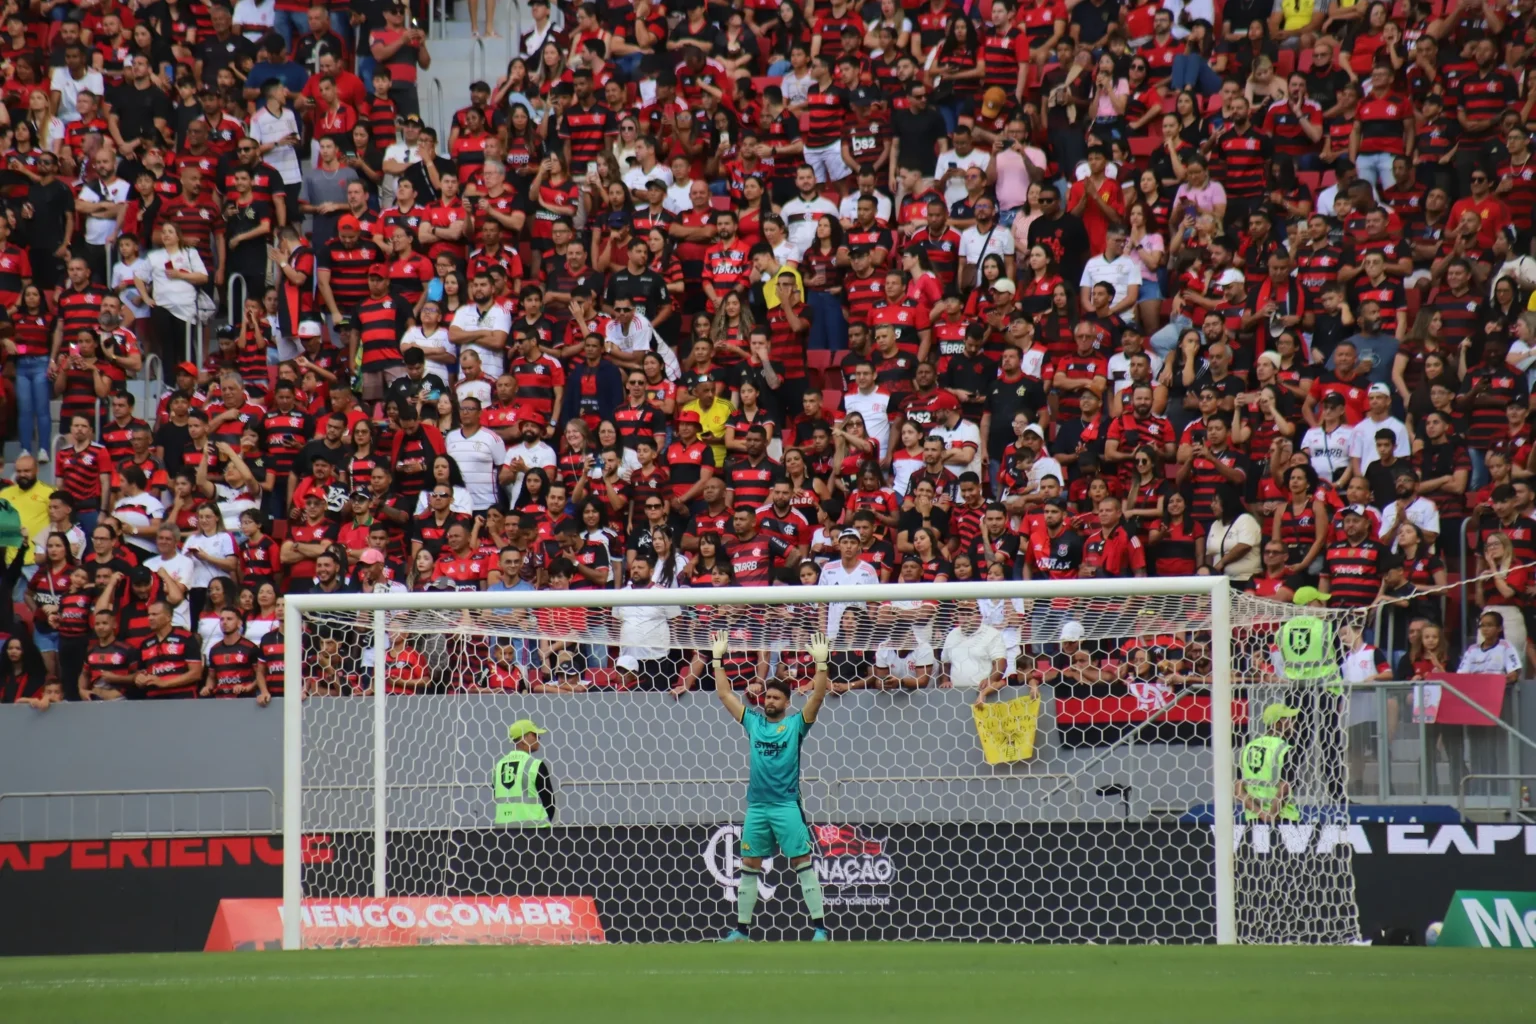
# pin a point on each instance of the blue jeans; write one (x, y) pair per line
(953, 110)
(1479, 459)
(33, 426)
(365, 68)
(1165, 339)
(629, 66)
(829, 329)
(778, 69)
(292, 24)
(1375, 168)
(1190, 69)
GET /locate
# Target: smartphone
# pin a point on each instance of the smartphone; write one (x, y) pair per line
(591, 167)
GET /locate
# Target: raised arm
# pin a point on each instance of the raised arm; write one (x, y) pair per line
(820, 649)
(719, 643)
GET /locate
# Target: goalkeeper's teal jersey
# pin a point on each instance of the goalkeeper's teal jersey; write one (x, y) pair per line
(775, 757)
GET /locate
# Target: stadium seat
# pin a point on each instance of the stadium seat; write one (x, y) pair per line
(762, 82)
(1414, 296)
(1143, 146)
(720, 202)
(1213, 104)
(832, 399)
(1311, 179)
(1285, 63)
(1329, 178)
(818, 358)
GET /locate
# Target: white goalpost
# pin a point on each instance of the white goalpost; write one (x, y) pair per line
(1120, 825)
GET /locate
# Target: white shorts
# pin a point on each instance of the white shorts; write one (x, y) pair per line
(827, 162)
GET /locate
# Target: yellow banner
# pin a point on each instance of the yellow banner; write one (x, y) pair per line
(1007, 729)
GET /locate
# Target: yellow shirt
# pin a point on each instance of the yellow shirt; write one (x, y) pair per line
(1296, 14)
(32, 506)
(771, 288)
(713, 422)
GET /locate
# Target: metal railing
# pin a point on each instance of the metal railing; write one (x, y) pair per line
(441, 107)
(231, 310)
(479, 61)
(1517, 804)
(115, 813)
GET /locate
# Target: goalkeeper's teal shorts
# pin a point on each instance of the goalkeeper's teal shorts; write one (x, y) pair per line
(771, 829)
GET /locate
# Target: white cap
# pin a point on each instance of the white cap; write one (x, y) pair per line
(1004, 285)
(309, 329)
(1230, 277)
(1071, 631)
(1036, 429)
(1379, 389)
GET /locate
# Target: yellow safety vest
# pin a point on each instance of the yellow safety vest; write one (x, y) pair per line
(517, 801)
(1261, 762)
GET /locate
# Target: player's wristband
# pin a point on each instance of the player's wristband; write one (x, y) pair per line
(821, 666)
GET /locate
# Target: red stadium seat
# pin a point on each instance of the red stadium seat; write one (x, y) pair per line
(1310, 179)
(1143, 146)
(1413, 295)
(1213, 104)
(720, 202)
(762, 82)
(818, 358)
(832, 399)
(1285, 63)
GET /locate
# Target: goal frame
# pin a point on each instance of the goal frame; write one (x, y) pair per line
(1215, 587)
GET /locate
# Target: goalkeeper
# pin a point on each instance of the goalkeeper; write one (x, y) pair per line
(775, 822)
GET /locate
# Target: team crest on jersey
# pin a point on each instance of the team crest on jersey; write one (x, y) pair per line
(205, 214)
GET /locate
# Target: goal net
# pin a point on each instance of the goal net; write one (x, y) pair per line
(1091, 798)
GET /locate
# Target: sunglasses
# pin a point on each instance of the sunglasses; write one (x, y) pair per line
(440, 494)
(623, 309)
(1047, 199)
(652, 505)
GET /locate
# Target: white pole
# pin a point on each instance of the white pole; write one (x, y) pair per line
(380, 753)
(293, 778)
(1221, 761)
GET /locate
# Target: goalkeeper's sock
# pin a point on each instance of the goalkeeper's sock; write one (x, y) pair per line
(810, 888)
(746, 896)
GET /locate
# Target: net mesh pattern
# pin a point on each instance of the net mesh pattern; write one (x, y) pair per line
(1103, 834)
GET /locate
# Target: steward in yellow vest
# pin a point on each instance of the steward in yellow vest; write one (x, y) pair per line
(521, 788)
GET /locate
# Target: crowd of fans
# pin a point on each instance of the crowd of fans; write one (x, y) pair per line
(754, 295)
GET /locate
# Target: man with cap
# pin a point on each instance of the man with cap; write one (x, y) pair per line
(847, 570)
(1352, 566)
(530, 453)
(372, 577)
(342, 267)
(521, 787)
(713, 412)
(1362, 443)
(1264, 785)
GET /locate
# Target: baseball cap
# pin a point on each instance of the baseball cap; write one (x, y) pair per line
(993, 101)
(534, 417)
(522, 727)
(1379, 389)
(1334, 397)
(371, 556)
(1036, 429)
(413, 119)
(189, 368)
(314, 496)
(348, 221)
(362, 494)
(944, 401)
(1004, 285)
(1308, 595)
(848, 532)
(1230, 277)
(139, 575)
(702, 377)
(1354, 510)
(688, 416)
(309, 329)
(378, 270)
(1275, 712)
(1071, 631)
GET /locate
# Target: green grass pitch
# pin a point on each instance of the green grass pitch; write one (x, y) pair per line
(780, 983)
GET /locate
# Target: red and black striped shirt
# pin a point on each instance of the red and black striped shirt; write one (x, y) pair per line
(348, 266)
(232, 665)
(1244, 155)
(1354, 573)
(380, 323)
(826, 111)
(170, 655)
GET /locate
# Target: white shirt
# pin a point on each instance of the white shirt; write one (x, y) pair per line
(1223, 537)
(70, 88)
(1122, 272)
(954, 188)
(962, 433)
(124, 273)
(479, 456)
(971, 656)
(1198, 10)
(801, 218)
(873, 407)
(268, 128)
(1362, 445)
(535, 456)
(848, 209)
(256, 20)
(462, 503)
(493, 361)
(178, 296)
(477, 388)
(635, 178)
(436, 342)
(139, 510)
(1500, 660)
(903, 666)
(1045, 466)
(101, 230)
(834, 574)
(678, 200)
(1120, 368)
(1421, 512)
(644, 632)
(220, 545)
(183, 570)
(796, 88)
(399, 152)
(1329, 452)
(976, 246)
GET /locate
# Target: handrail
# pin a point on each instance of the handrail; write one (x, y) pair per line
(149, 795)
(194, 348)
(1461, 789)
(1466, 525)
(235, 312)
(514, 32)
(442, 116)
(484, 61)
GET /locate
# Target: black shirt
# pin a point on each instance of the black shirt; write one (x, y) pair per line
(50, 204)
(416, 174)
(647, 289)
(338, 456)
(216, 53)
(174, 441)
(1064, 238)
(918, 134)
(136, 110)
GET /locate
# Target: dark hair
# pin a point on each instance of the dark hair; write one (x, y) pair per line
(777, 684)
